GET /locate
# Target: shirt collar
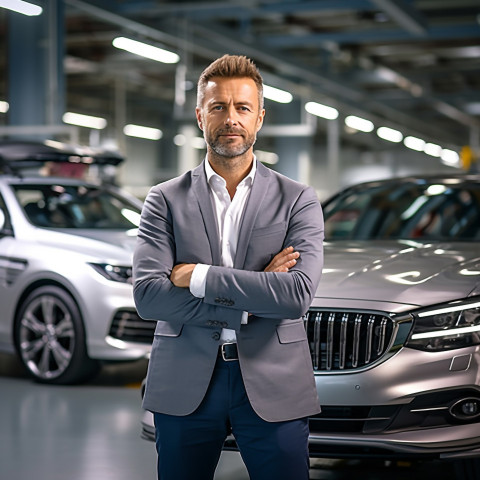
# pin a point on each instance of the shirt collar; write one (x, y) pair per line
(248, 180)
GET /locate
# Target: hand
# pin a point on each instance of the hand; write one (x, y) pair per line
(181, 274)
(283, 261)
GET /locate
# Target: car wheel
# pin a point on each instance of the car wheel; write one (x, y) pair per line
(50, 338)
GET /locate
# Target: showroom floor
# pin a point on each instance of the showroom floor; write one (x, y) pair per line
(92, 432)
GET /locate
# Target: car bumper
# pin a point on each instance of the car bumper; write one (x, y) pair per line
(387, 412)
(445, 443)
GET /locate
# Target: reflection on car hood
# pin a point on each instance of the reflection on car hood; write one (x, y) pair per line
(405, 272)
(113, 244)
(122, 239)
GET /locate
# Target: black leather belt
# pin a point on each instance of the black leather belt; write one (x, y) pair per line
(228, 351)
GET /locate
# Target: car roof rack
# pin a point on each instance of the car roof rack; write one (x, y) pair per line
(18, 155)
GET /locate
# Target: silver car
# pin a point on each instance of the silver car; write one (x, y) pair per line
(394, 329)
(65, 265)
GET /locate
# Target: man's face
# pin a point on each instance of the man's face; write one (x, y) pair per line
(230, 116)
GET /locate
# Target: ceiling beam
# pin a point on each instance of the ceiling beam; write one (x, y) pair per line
(405, 15)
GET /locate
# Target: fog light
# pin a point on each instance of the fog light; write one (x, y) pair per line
(466, 409)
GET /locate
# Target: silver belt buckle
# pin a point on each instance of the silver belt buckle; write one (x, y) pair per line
(223, 352)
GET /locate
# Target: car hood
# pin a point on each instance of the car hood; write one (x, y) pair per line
(405, 273)
(103, 244)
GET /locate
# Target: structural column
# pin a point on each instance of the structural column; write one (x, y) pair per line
(293, 140)
(36, 81)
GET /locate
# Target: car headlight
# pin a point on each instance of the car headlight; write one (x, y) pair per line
(116, 273)
(446, 327)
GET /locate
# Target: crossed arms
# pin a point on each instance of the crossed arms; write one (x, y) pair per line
(284, 289)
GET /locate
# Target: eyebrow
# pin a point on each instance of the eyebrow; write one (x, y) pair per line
(242, 102)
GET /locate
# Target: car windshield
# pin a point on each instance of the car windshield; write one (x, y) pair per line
(76, 206)
(405, 210)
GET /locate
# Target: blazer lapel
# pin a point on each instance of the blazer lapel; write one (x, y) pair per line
(254, 203)
(200, 188)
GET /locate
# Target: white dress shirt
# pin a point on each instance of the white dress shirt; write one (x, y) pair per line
(228, 213)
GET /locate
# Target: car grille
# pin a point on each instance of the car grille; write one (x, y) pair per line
(346, 340)
(129, 327)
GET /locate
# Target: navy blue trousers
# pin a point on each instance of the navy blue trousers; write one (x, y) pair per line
(189, 446)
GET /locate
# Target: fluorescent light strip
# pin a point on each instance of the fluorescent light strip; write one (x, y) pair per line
(450, 157)
(320, 110)
(390, 134)
(142, 132)
(145, 50)
(25, 8)
(277, 95)
(359, 123)
(432, 149)
(414, 143)
(81, 120)
(446, 333)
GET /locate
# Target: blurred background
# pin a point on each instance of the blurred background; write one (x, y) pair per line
(356, 90)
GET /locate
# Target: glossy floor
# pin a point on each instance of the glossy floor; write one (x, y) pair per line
(92, 432)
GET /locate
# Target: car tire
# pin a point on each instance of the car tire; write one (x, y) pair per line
(50, 338)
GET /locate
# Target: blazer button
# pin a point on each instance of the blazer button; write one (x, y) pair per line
(210, 323)
(224, 324)
(216, 336)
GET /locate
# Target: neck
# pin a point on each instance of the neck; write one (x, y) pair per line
(232, 170)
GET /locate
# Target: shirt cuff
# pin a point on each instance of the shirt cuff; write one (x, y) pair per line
(244, 318)
(198, 281)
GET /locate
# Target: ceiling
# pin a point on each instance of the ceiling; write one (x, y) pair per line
(412, 65)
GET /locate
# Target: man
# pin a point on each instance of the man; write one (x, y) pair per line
(228, 259)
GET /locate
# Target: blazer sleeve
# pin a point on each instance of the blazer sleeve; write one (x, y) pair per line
(156, 298)
(284, 294)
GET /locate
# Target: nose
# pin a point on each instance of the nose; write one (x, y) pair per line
(231, 116)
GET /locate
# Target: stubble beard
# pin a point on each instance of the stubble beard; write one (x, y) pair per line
(229, 150)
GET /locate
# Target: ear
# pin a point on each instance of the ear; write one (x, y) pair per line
(260, 118)
(198, 114)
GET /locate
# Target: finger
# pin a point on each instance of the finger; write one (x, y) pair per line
(284, 267)
(281, 258)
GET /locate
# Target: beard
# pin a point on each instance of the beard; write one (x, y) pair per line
(225, 148)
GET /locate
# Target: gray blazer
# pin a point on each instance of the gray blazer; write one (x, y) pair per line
(178, 226)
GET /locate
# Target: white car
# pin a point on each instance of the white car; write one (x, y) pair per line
(66, 249)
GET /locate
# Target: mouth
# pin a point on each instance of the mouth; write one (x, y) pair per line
(229, 134)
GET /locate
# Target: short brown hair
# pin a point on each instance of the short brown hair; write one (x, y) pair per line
(230, 66)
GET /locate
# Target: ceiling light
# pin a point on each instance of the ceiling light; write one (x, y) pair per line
(84, 120)
(277, 95)
(4, 107)
(179, 140)
(432, 149)
(25, 8)
(142, 132)
(145, 50)
(359, 123)
(450, 157)
(266, 157)
(414, 143)
(390, 134)
(320, 110)
(198, 143)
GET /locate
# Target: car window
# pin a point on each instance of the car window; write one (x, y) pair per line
(405, 210)
(60, 206)
(7, 226)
